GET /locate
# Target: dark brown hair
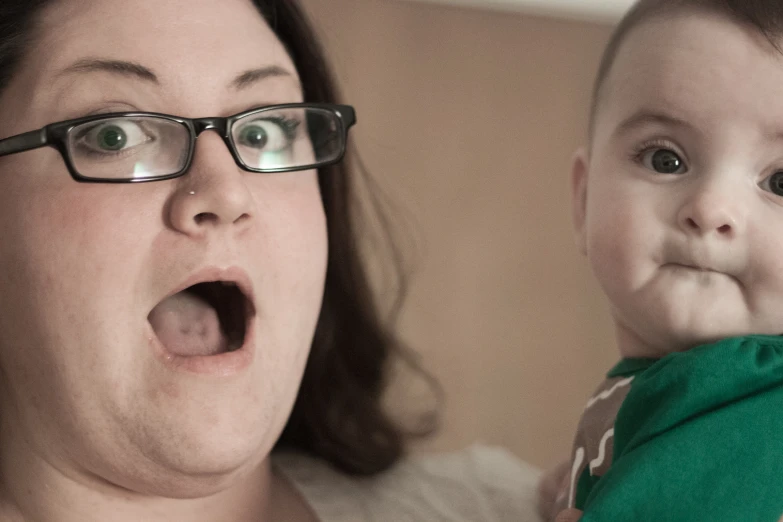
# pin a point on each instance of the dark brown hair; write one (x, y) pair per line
(338, 414)
(764, 16)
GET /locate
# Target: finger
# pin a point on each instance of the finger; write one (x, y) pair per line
(550, 486)
(569, 515)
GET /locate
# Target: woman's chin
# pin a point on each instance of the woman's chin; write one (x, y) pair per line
(193, 470)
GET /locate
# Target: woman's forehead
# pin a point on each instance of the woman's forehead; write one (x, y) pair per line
(190, 47)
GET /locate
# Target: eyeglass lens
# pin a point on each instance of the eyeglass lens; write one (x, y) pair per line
(141, 147)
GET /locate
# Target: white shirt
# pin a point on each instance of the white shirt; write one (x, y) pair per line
(479, 484)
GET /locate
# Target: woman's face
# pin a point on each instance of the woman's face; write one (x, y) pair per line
(88, 385)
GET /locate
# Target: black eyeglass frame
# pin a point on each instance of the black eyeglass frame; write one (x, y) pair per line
(56, 134)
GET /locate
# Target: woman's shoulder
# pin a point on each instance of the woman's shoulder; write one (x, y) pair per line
(478, 484)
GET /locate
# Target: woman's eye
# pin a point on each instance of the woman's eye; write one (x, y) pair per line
(114, 136)
(774, 183)
(266, 134)
(663, 161)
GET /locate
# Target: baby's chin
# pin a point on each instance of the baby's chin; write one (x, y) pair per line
(659, 342)
(656, 342)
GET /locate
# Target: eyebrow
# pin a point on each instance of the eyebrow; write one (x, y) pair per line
(645, 117)
(119, 67)
(252, 76)
(138, 71)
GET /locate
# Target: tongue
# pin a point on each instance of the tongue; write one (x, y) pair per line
(188, 326)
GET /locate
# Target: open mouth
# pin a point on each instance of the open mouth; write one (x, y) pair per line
(208, 318)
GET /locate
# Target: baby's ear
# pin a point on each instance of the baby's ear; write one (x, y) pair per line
(579, 170)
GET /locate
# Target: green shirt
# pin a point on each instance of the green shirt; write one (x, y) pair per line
(698, 437)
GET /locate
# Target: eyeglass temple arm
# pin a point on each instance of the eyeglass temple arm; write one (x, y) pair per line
(22, 142)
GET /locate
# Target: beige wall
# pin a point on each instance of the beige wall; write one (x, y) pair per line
(468, 119)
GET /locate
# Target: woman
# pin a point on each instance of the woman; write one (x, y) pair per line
(178, 259)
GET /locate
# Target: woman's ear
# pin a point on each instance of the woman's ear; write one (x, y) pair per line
(579, 171)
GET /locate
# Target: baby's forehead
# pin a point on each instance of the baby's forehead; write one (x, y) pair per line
(693, 62)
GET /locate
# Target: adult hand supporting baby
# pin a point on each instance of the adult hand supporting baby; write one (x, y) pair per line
(551, 483)
(569, 515)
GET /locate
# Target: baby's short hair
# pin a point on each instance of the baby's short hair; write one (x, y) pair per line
(764, 16)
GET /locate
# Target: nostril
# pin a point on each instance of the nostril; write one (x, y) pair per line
(692, 224)
(725, 229)
(204, 217)
(242, 218)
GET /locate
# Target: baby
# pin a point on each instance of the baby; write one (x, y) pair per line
(678, 207)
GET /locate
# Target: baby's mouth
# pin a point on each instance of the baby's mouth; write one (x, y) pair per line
(205, 319)
(695, 267)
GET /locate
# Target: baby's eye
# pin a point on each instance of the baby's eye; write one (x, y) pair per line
(773, 183)
(663, 161)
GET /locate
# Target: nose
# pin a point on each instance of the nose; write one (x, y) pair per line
(713, 207)
(213, 193)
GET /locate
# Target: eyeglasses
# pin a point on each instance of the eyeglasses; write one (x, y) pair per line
(132, 147)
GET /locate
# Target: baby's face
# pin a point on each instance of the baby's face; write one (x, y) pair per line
(678, 204)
